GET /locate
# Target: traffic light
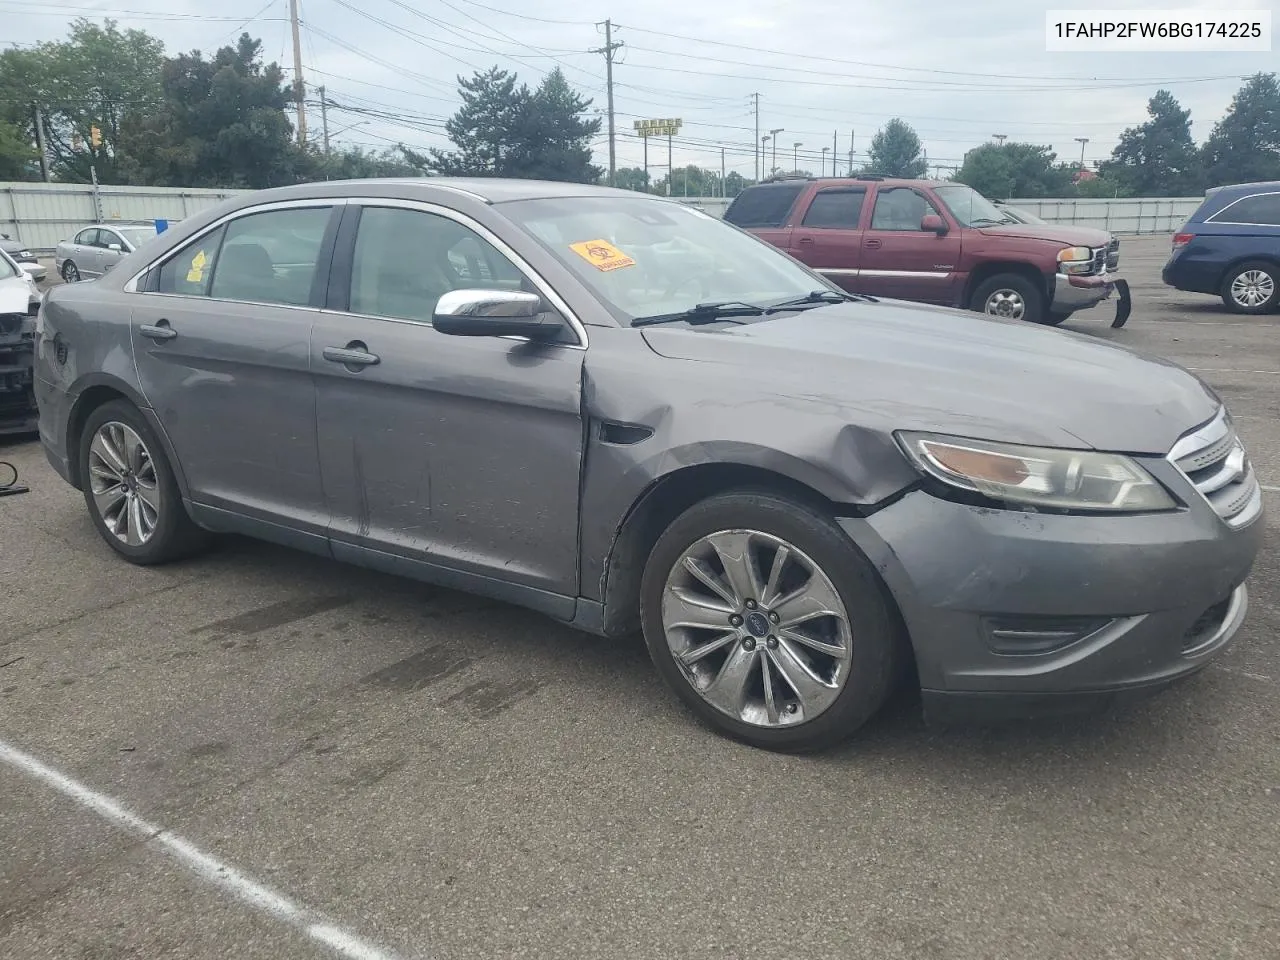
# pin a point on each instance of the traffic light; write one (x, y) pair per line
(95, 137)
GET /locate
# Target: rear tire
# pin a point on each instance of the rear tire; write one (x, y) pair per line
(70, 272)
(130, 489)
(1009, 296)
(1251, 288)
(826, 674)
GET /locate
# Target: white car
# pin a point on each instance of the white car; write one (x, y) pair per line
(23, 257)
(95, 250)
(17, 287)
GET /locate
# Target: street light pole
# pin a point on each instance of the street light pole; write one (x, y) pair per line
(764, 145)
(824, 163)
(1082, 141)
(795, 157)
(1001, 137)
(773, 163)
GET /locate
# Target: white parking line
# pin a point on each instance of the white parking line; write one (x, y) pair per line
(213, 871)
(1269, 489)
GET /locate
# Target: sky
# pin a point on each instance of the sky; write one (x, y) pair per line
(958, 73)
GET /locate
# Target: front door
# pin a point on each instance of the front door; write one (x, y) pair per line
(899, 259)
(829, 239)
(461, 453)
(222, 345)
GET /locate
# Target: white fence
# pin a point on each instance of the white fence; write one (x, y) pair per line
(41, 214)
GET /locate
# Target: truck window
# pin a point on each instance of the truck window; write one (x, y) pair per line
(766, 205)
(836, 209)
(899, 208)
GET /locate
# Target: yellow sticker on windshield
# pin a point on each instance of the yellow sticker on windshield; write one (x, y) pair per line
(602, 255)
(196, 273)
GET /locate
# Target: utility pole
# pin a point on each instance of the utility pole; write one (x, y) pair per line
(324, 119)
(38, 117)
(299, 87)
(646, 163)
(1082, 141)
(608, 49)
(671, 170)
(835, 147)
(851, 153)
(724, 190)
(756, 98)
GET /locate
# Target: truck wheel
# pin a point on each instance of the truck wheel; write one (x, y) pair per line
(1009, 296)
(768, 622)
(1252, 287)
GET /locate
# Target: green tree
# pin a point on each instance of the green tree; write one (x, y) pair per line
(353, 163)
(1245, 144)
(98, 77)
(1157, 158)
(631, 178)
(221, 123)
(896, 151)
(1104, 186)
(17, 155)
(1014, 170)
(504, 130)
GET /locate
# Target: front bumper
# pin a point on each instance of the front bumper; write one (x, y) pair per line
(1151, 598)
(1071, 293)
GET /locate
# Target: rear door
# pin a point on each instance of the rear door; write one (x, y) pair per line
(829, 236)
(901, 260)
(221, 340)
(87, 253)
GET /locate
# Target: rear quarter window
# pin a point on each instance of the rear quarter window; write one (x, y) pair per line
(767, 205)
(1262, 209)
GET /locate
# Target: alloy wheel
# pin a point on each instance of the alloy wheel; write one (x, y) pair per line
(70, 273)
(757, 628)
(1006, 303)
(123, 482)
(1253, 288)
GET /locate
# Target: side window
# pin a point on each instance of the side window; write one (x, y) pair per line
(900, 208)
(189, 271)
(87, 238)
(1262, 209)
(835, 209)
(106, 238)
(271, 257)
(764, 205)
(404, 260)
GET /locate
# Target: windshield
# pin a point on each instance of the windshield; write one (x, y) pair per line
(136, 235)
(970, 207)
(646, 257)
(1022, 216)
(7, 268)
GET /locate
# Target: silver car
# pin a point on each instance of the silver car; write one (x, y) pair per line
(95, 250)
(626, 414)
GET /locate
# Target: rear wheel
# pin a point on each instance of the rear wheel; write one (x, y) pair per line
(1009, 296)
(1252, 287)
(768, 622)
(70, 272)
(130, 489)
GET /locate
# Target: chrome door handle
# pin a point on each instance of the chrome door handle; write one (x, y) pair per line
(158, 331)
(354, 354)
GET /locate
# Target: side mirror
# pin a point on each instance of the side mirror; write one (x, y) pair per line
(114, 247)
(494, 313)
(932, 223)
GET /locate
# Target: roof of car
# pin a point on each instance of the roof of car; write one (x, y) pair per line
(484, 189)
(856, 180)
(1256, 187)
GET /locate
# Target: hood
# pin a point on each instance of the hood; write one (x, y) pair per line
(16, 294)
(1065, 235)
(902, 366)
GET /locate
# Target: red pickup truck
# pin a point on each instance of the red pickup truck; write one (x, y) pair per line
(936, 242)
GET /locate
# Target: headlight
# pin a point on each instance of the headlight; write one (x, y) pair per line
(1038, 476)
(1075, 260)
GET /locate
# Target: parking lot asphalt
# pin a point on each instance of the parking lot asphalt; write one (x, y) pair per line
(273, 755)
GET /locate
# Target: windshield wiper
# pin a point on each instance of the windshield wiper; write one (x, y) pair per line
(818, 298)
(704, 313)
(988, 222)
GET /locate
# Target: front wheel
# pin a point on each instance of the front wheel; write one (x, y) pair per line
(768, 622)
(1251, 288)
(1009, 296)
(130, 489)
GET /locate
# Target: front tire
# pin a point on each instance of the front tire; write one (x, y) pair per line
(70, 272)
(130, 489)
(767, 621)
(1251, 288)
(1009, 296)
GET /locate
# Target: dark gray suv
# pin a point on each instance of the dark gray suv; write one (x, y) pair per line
(626, 414)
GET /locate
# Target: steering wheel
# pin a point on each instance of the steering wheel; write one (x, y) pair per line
(704, 288)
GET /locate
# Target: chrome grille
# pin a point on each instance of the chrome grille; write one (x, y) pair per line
(1113, 254)
(1213, 459)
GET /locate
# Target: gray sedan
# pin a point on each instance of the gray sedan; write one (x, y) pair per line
(626, 414)
(95, 250)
